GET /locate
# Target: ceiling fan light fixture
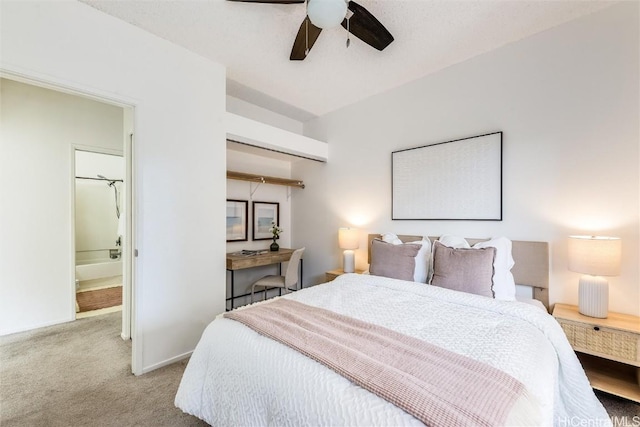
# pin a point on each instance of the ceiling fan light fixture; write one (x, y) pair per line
(326, 13)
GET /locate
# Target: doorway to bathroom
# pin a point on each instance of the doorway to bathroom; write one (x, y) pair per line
(42, 126)
(100, 231)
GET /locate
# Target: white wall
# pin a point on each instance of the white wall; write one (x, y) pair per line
(241, 190)
(38, 129)
(567, 102)
(179, 152)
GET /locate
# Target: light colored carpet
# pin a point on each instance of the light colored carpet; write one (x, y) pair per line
(623, 412)
(79, 374)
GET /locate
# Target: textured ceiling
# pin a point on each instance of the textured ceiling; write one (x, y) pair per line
(254, 41)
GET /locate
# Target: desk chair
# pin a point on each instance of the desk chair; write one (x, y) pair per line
(289, 279)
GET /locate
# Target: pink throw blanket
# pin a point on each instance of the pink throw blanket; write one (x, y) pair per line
(433, 384)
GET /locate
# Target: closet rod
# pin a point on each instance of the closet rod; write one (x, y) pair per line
(241, 176)
(99, 179)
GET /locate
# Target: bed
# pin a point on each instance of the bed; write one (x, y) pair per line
(237, 376)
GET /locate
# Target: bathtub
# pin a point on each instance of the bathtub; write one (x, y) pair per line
(98, 269)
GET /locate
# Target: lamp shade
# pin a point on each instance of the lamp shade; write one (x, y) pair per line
(348, 238)
(326, 13)
(595, 255)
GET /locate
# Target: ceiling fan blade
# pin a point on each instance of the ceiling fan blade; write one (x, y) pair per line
(300, 45)
(270, 1)
(367, 28)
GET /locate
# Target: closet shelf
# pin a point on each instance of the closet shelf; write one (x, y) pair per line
(264, 179)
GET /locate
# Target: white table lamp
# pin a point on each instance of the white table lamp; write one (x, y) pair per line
(594, 257)
(348, 240)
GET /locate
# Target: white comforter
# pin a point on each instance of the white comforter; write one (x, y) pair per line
(238, 377)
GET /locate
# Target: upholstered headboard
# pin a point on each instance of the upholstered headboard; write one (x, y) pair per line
(531, 263)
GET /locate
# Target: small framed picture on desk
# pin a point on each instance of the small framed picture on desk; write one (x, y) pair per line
(264, 215)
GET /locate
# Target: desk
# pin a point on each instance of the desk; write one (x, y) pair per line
(235, 261)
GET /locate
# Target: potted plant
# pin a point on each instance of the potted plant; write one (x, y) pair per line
(275, 231)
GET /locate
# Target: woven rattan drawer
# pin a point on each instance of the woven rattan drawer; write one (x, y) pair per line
(597, 340)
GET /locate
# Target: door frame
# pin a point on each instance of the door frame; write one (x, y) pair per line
(129, 105)
(128, 306)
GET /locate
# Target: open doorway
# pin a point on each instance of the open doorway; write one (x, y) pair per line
(42, 128)
(100, 230)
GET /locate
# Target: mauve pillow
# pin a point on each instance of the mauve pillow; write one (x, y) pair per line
(466, 270)
(423, 259)
(394, 261)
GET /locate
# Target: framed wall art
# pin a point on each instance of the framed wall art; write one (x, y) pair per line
(237, 220)
(452, 180)
(264, 214)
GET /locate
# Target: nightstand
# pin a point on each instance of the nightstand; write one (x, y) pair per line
(330, 275)
(609, 349)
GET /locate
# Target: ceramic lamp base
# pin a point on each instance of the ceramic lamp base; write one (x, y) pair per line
(349, 261)
(593, 296)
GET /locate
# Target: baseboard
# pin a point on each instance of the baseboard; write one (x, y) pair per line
(36, 326)
(167, 362)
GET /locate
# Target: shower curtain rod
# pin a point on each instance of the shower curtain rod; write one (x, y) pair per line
(99, 179)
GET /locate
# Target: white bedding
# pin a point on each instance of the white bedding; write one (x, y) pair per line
(237, 377)
(531, 301)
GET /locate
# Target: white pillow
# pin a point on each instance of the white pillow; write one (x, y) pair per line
(455, 242)
(504, 286)
(421, 270)
(391, 238)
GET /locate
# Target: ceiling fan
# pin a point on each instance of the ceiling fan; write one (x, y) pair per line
(329, 13)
